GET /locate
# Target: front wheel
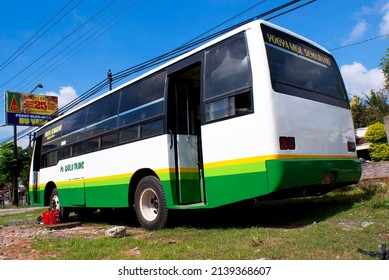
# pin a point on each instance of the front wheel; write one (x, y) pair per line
(150, 203)
(56, 205)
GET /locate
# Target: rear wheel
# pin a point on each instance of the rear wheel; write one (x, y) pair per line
(150, 203)
(56, 205)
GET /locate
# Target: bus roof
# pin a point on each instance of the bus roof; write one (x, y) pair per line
(187, 54)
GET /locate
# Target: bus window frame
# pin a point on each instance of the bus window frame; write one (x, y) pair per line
(228, 96)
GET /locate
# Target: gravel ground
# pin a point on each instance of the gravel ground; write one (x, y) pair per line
(16, 238)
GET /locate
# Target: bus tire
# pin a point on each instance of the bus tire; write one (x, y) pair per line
(150, 203)
(56, 205)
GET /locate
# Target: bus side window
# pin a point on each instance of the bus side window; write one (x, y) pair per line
(109, 140)
(78, 149)
(93, 144)
(236, 105)
(50, 159)
(243, 104)
(102, 115)
(228, 80)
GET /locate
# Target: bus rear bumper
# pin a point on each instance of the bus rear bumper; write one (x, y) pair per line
(311, 176)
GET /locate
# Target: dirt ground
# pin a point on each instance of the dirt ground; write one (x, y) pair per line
(15, 239)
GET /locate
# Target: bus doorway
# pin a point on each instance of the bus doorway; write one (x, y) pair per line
(36, 166)
(185, 156)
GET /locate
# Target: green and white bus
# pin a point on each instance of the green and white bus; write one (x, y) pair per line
(257, 112)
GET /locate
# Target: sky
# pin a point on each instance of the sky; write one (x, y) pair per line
(68, 46)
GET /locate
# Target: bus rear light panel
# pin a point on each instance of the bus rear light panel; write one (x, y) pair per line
(287, 143)
(351, 146)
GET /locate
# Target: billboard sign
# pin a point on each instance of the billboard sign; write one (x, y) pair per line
(30, 109)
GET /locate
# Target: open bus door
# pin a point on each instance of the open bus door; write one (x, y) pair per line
(36, 166)
(185, 154)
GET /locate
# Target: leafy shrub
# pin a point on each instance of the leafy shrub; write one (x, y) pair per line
(379, 152)
(376, 133)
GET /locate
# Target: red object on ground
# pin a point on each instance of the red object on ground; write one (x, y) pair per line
(50, 217)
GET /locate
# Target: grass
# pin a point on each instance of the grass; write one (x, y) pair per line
(27, 218)
(330, 227)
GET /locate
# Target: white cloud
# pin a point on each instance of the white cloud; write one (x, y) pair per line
(384, 25)
(372, 9)
(360, 80)
(65, 95)
(358, 31)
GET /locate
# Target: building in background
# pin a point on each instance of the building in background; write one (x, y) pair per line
(362, 146)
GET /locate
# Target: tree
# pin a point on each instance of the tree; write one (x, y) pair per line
(385, 69)
(376, 134)
(8, 163)
(371, 109)
(359, 112)
(379, 152)
(379, 149)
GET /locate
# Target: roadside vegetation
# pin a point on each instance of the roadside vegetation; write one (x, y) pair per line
(329, 227)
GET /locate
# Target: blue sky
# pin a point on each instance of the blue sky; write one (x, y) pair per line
(67, 63)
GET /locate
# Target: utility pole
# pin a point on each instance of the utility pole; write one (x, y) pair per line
(15, 184)
(109, 74)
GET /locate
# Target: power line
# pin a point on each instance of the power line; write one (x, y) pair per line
(77, 46)
(188, 45)
(290, 10)
(104, 25)
(228, 20)
(153, 62)
(360, 42)
(60, 42)
(29, 42)
(191, 44)
(70, 105)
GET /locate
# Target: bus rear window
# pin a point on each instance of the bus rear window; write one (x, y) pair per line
(299, 69)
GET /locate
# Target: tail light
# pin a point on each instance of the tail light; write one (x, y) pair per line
(351, 146)
(287, 143)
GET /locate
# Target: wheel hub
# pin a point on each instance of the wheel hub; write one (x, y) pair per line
(149, 205)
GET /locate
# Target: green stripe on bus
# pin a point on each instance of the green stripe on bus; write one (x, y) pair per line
(225, 182)
(235, 169)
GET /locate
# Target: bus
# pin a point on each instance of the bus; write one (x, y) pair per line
(256, 113)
